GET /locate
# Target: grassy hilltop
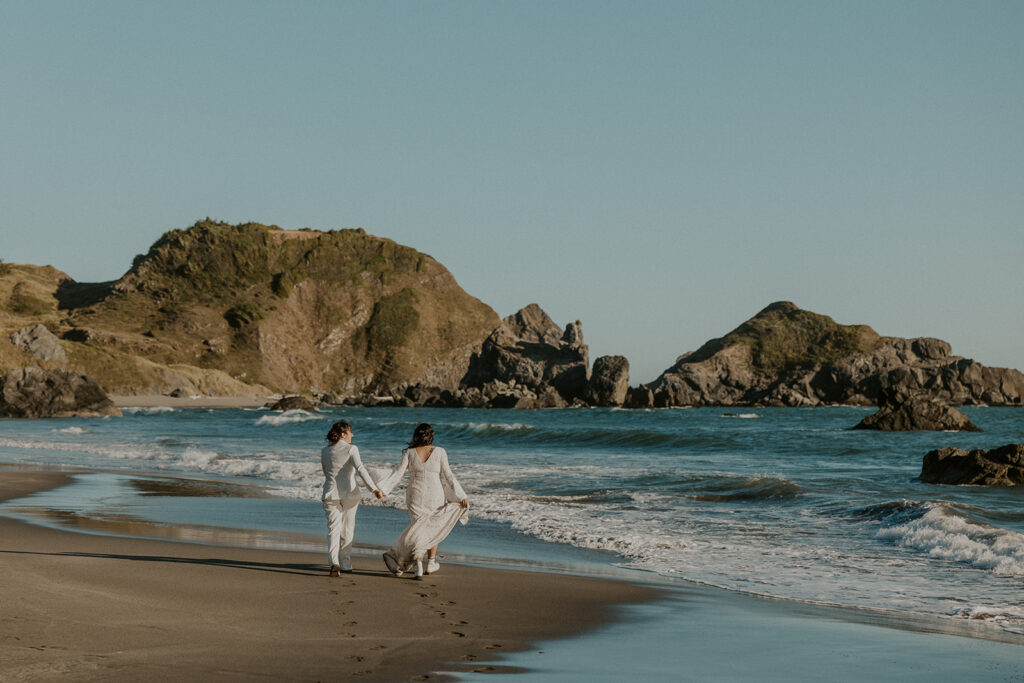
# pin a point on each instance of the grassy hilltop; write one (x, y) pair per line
(238, 309)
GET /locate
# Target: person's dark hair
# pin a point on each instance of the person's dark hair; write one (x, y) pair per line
(423, 435)
(337, 429)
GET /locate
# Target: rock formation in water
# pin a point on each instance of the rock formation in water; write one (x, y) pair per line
(785, 356)
(609, 382)
(293, 403)
(33, 392)
(528, 361)
(903, 410)
(1002, 466)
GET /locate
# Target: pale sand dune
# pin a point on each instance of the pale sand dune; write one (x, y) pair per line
(89, 607)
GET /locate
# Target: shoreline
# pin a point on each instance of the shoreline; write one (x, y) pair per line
(173, 609)
(549, 625)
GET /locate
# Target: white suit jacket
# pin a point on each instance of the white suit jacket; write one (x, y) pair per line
(341, 463)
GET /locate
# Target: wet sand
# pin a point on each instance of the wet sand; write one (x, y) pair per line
(94, 607)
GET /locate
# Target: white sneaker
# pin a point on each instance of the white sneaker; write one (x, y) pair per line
(433, 566)
(419, 569)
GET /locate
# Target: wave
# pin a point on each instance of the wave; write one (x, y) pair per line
(289, 417)
(942, 533)
(70, 430)
(153, 410)
(742, 416)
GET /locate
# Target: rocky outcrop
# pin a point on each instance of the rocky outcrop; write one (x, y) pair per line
(40, 343)
(785, 356)
(34, 392)
(287, 311)
(293, 403)
(1002, 466)
(904, 411)
(609, 381)
(528, 361)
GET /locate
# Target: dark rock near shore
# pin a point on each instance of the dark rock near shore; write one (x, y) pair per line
(640, 397)
(527, 355)
(34, 392)
(903, 411)
(609, 381)
(39, 342)
(1003, 466)
(294, 403)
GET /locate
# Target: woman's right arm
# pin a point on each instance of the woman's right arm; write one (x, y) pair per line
(391, 481)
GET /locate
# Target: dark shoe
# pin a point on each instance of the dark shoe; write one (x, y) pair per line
(335, 570)
(392, 564)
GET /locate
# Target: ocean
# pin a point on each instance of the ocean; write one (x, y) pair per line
(783, 503)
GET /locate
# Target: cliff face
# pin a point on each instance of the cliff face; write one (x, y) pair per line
(788, 356)
(289, 310)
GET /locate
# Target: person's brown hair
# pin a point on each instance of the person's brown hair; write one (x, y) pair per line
(423, 435)
(337, 429)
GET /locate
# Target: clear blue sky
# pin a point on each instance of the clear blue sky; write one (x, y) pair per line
(659, 170)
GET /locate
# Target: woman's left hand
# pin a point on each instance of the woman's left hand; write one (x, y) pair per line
(464, 502)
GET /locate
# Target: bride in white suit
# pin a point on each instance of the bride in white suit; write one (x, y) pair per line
(431, 486)
(340, 462)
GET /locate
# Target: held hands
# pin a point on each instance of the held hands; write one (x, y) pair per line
(380, 494)
(464, 502)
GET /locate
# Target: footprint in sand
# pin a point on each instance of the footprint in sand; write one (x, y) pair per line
(354, 658)
(459, 623)
(440, 614)
(492, 646)
(456, 634)
(469, 658)
(378, 647)
(483, 669)
(351, 623)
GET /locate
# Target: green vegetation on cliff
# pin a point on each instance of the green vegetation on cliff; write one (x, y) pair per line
(783, 338)
(292, 310)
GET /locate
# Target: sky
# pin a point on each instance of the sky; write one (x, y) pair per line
(660, 171)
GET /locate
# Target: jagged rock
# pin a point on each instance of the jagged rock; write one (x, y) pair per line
(790, 357)
(640, 397)
(609, 381)
(40, 343)
(34, 392)
(902, 411)
(1003, 466)
(528, 353)
(293, 403)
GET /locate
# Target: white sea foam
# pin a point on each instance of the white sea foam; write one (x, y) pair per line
(154, 410)
(70, 430)
(289, 417)
(943, 534)
(742, 416)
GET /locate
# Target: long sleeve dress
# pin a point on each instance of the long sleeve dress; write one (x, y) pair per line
(432, 498)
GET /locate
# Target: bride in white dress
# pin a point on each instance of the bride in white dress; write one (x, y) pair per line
(434, 498)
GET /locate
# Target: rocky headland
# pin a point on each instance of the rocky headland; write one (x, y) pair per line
(346, 317)
(786, 356)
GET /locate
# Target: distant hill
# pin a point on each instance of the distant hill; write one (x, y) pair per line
(788, 356)
(240, 309)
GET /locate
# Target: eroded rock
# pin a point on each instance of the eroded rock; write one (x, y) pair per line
(1003, 466)
(34, 392)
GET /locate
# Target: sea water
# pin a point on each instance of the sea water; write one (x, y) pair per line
(781, 502)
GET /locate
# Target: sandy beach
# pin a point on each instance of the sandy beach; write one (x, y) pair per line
(156, 400)
(93, 607)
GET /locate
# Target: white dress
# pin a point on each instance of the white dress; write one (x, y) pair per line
(432, 498)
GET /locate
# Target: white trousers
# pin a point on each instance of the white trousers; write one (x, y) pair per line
(341, 528)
